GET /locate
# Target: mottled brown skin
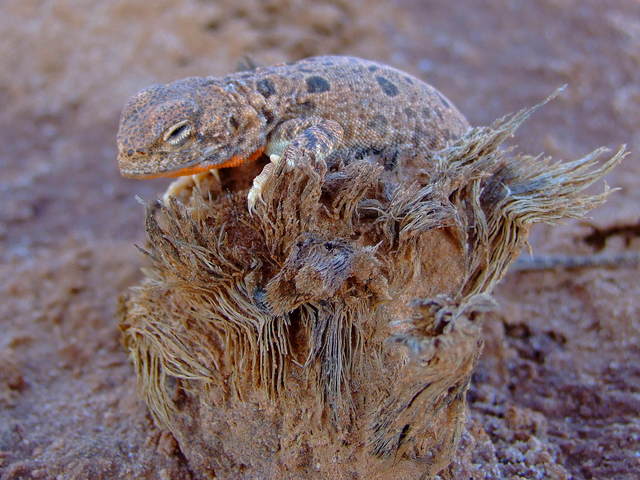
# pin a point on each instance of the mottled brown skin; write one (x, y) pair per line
(328, 105)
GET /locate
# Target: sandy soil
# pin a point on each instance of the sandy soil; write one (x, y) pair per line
(557, 392)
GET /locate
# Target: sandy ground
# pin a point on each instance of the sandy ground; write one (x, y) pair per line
(557, 392)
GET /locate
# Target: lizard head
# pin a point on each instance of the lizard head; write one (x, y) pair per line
(185, 127)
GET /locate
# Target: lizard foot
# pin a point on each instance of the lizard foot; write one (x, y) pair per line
(183, 187)
(301, 143)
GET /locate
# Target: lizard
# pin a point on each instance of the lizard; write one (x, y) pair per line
(327, 106)
(340, 106)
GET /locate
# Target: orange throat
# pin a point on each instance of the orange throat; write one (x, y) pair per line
(232, 162)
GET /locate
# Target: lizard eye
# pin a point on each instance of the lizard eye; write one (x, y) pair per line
(178, 133)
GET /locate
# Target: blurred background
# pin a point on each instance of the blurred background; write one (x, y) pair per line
(561, 361)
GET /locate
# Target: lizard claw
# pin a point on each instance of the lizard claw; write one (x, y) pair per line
(255, 193)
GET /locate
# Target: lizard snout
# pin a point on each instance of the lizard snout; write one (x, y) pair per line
(133, 163)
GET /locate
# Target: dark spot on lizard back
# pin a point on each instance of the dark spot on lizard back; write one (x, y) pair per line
(305, 70)
(378, 122)
(409, 112)
(373, 68)
(317, 84)
(266, 87)
(408, 80)
(387, 87)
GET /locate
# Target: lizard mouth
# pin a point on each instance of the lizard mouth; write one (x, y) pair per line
(165, 164)
(199, 165)
(193, 170)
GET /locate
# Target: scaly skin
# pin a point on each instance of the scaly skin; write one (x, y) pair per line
(324, 105)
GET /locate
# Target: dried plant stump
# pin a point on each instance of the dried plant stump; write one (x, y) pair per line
(332, 333)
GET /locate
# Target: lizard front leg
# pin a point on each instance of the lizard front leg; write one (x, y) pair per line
(309, 139)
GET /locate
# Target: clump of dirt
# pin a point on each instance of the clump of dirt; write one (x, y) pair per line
(285, 343)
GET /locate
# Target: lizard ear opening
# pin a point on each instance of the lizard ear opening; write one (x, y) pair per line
(177, 134)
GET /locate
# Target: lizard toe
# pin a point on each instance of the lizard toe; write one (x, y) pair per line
(255, 192)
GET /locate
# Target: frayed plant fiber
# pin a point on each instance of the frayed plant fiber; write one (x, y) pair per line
(338, 325)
